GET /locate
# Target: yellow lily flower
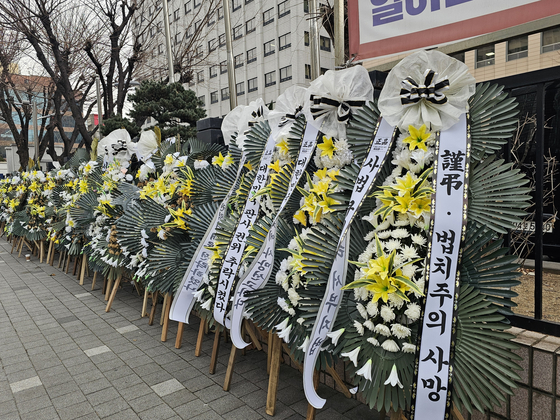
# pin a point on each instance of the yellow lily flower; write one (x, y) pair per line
(321, 187)
(327, 147)
(248, 166)
(404, 203)
(405, 183)
(218, 160)
(283, 145)
(300, 217)
(417, 138)
(381, 289)
(420, 205)
(275, 166)
(327, 202)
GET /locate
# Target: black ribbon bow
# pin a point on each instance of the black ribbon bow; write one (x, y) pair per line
(290, 117)
(257, 114)
(320, 105)
(412, 92)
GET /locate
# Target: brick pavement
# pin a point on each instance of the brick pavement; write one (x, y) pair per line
(63, 357)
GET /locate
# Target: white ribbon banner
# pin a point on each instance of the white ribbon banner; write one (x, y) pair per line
(232, 259)
(261, 268)
(198, 267)
(431, 390)
(378, 152)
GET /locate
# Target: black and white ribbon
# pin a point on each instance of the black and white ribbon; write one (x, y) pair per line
(234, 253)
(321, 105)
(288, 118)
(200, 264)
(377, 154)
(431, 90)
(261, 268)
(432, 386)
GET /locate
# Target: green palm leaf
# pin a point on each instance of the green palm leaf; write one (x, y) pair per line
(361, 128)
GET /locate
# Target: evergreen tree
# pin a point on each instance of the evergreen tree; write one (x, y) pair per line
(170, 104)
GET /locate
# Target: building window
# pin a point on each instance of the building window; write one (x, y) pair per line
(213, 71)
(188, 32)
(268, 48)
(220, 13)
(268, 16)
(188, 6)
(222, 40)
(211, 19)
(485, 56)
(177, 14)
(238, 60)
(251, 55)
(248, 1)
(252, 84)
(177, 38)
(240, 88)
(306, 38)
(197, 3)
(238, 32)
(285, 73)
(458, 56)
(223, 67)
(306, 6)
(198, 52)
(283, 9)
(324, 70)
(200, 76)
(197, 24)
(284, 42)
(212, 44)
(225, 93)
(202, 100)
(308, 71)
(214, 97)
(325, 43)
(551, 40)
(270, 79)
(250, 25)
(235, 5)
(517, 47)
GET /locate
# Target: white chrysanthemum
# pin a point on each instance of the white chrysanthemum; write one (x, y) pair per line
(387, 313)
(390, 345)
(359, 327)
(373, 341)
(372, 308)
(362, 310)
(418, 239)
(400, 233)
(412, 312)
(369, 325)
(400, 331)
(383, 330)
(409, 252)
(293, 296)
(361, 293)
(408, 348)
(409, 270)
(384, 234)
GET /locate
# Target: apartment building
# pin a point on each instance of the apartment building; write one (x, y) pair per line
(270, 46)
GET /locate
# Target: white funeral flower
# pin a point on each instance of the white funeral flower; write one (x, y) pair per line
(362, 311)
(369, 325)
(372, 308)
(409, 252)
(293, 296)
(365, 370)
(352, 355)
(207, 305)
(418, 239)
(283, 324)
(161, 234)
(393, 244)
(400, 233)
(304, 345)
(383, 330)
(335, 335)
(285, 333)
(359, 327)
(393, 378)
(387, 313)
(198, 295)
(373, 341)
(409, 270)
(390, 345)
(412, 312)
(200, 164)
(400, 331)
(408, 348)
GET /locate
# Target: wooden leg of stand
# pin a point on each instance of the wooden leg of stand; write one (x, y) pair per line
(455, 413)
(83, 270)
(215, 348)
(276, 343)
(397, 415)
(145, 304)
(49, 252)
(41, 251)
(68, 258)
(229, 371)
(201, 329)
(154, 306)
(108, 288)
(165, 302)
(179, 337)
(269, 352)
(76, 261)
(113, 294)
(338, 380)
(93, 281)
(104, 287)
(61, 255)
(21, 246)
(253, 335)
(166, 309)
(137, 288)
(311, 411)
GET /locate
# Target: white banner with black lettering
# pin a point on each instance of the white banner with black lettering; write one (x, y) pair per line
(234, 252)
(448, 224)
(199, 265)
(261, 268)
(378, 152)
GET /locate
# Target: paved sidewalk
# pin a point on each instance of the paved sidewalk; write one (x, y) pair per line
(63, 357)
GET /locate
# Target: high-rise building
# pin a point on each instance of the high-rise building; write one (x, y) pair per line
(271, 48)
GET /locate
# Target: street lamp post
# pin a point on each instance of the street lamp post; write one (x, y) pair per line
(168, 41)
(99, 106)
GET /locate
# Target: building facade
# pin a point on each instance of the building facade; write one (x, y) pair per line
(270, 46)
